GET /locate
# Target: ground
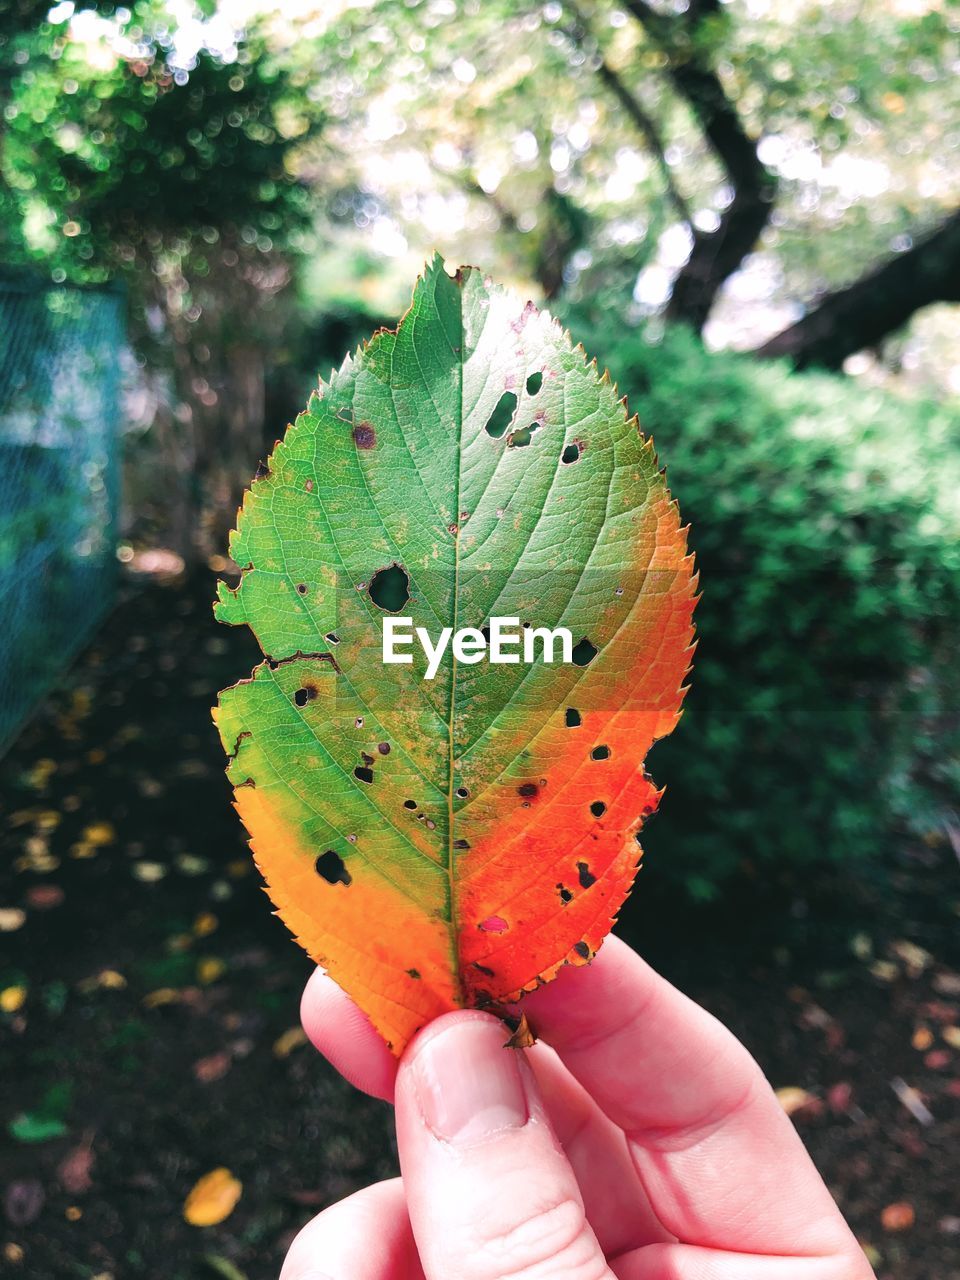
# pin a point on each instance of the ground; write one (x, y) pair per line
(148, 998)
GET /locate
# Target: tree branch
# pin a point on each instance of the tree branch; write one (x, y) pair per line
(877, 304)
(715, 255)
(634, 109)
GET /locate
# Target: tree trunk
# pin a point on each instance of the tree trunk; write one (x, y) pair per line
(880, 302)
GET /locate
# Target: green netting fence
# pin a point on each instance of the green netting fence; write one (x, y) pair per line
(60, 350)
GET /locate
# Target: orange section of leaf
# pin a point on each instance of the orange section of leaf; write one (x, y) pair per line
(394, 961)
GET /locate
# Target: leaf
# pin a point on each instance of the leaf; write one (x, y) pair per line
(454, 841)
(31, 1127)
(213, 1198)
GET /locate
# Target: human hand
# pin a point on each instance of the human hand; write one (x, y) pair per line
(637, 1140)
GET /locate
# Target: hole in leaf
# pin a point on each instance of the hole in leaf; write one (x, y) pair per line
(301, 588)
(461, 844)
(600, 753)
(502, 414)
(332, 638)
(520, 439)
(582, 950)
(409, 804)
(598, 808)
(482, 968)
(462, 792)
(413, 973)
(330, 866)
(571, 454)
(571, 717)
(363, 773)
(527, 789)
(358, 723)
(585, 875)
(389, 588)
(305, 695)
(534, 383)
(566, 895)
(584, 652)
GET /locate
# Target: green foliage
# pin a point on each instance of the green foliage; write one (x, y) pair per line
(826, 523)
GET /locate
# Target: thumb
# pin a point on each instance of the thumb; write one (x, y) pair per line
(489, 1190)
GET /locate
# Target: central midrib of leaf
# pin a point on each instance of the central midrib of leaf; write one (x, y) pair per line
(451, 715)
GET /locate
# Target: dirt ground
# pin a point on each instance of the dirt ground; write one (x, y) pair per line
(148, 998)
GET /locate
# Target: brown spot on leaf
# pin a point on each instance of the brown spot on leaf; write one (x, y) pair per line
(364, 436)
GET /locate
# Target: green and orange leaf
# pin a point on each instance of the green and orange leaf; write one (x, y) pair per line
(455, 841)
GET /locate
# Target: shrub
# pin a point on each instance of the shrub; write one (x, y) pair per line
(826, 522)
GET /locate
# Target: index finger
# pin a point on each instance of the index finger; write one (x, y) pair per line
(720, 1161)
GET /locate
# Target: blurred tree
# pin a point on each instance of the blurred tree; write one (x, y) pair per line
(789, 146)
(124, 153)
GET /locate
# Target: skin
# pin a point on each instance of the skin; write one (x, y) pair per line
(638, 1140)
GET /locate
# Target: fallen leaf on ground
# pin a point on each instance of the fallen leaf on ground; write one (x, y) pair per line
(291, 1039)
(22, 1201)
(213, 1198)
(214, 1067)
(42, 897)
(209, 969)
(12, 999)
(74, 1170)
(898, 1217)
(794, 1099)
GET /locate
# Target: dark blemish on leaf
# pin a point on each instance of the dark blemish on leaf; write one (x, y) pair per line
(413, 973)
(308, 485)
(566, 895)
(332, 638)
(302, 588)
(364, 436)
(383, 748)
(367, 760)
(330, 866)
(598, 808)
(584, 653)
(502, 415)
(462, 792)
(534, 383)
(409, 804)
(582, 950)
(527, 789)
(364, 774)
(247, 782)
(585, 875)
(305, 695)
(461, 844)
(600, 753)
(571, 454)
(390, 588)
(493, 924)
(453, 528)
(571, 717)
(482, 968)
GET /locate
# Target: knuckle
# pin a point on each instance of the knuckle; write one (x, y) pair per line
(552, 1241)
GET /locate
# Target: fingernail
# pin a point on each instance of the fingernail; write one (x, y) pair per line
(467, 1085)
